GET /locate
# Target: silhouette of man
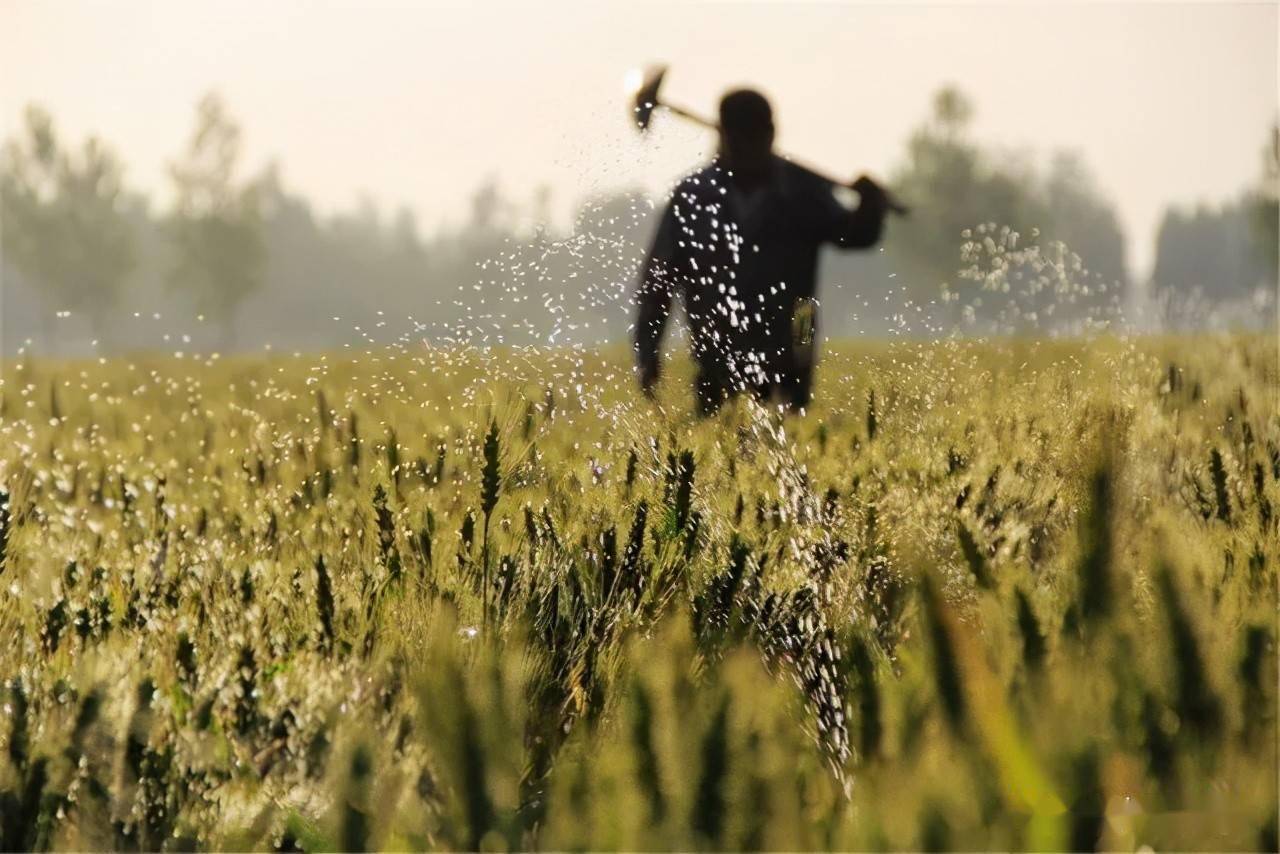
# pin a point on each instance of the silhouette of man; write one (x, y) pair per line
(739, 243)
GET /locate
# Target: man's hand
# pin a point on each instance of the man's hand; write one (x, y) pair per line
(870, 193)
(877, 197)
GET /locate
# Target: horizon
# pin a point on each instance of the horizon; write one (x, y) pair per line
(337, 146)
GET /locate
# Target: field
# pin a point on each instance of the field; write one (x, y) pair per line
(1013, 594)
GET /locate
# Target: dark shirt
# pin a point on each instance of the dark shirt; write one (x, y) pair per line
(740, 263)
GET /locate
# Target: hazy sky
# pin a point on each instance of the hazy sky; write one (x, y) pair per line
(416, 103)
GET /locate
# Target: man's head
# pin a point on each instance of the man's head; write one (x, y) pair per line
(746, 131)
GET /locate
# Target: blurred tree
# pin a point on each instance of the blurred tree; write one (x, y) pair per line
(489, 209)
(1265, 202)
(624, 217)
(1223, 258)
(404, 238)
(953, 186)
(482, 240)
(952, 110)
(541, 208)
(1210, 252)
(1082, 218)
(216, 225)
(67, 228)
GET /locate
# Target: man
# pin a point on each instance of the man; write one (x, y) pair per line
(739, 243)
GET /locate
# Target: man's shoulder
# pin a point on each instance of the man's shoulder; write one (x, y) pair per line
(799, 179)
(705, 182)
(708, 173)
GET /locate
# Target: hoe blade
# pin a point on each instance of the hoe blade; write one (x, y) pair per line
(645, 98)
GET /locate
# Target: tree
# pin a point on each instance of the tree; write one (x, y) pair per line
(66, 227)
(1221, 260)
(963, 197)
(216, 225)
(1208, 252)
(1080, 217)
(1265, 204)
(951, 188)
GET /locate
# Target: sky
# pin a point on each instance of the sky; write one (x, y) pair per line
(415, 104)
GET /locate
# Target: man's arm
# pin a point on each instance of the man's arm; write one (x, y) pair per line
(860, 227)
(653, 301)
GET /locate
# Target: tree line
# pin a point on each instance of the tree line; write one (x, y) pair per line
(237, 261)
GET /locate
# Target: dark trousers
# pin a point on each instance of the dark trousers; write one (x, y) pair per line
(789, 383)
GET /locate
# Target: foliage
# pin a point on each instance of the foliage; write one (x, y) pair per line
(216, 224)
(1017, 595)
(1216, 258)
(65, 224)
(953, 186)
(1265, 202)
(1209, 250)
(260, 264)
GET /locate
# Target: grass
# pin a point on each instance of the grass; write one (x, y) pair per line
(1015, 594)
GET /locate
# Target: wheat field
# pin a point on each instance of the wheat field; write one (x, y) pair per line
(1013, 594)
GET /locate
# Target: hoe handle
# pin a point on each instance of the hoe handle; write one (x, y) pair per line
(893, 204)
(890, 202)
